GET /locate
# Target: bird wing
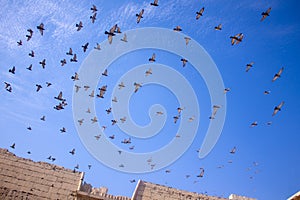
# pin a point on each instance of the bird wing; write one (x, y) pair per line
(269, 10)
(109, 39)
(280, 105)
(280, 71)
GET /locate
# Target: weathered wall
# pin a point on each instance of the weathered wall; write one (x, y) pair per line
(24, 179)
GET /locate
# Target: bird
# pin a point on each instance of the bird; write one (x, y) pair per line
(28, 152)
(89, 166)
(92, 94)
(267, 92)
(105, 73)
(111, 33)
(19, 42)
(249, 65)
(108, 111)
(97, 136)
(13, 146)
(177, 28)
(113, 122)
(265, 14)
(176, 118)
(200, 13)
(74, 59)
(219, 27)
(79, 26)
(63, 130)
(159, 113)
(9, 89)
(226, 90)
(77, 87)
(88, 110)
(102, 91)
(148, 72)
(233, 150)
(277, 108)
(43, 63)
(152, 59)
(187, 40)
(137, 86)
(132, 181)
(269, 123)
(114, 100)
(75, 77)
(97, 46)
(184, 61)
(59, 106)
(12, 70)
(236, 38)
(38, 87)
(80, 121)
(30, 67)
(7, 85)
(63, 62)
(167, 171)
(179, 109)
(86, 87)
(253, 124)
(93, 17)
(121, 85)
(121, 165)
(72, 151)
(94, 9)
(70, 52)
(48, 84)
(155, 3)
(201, 173)
(31, 54)
(112, 137)
(41, 28)
(59, 97)
(29, 128)
(139, 16)
(126, 141)
(191, 118)
(131, 148)
(30, 34)
(215, 109)
(123, 119)
(277, 75)
(76, 167)
(124, 39)
(94, 120)
(85, 47)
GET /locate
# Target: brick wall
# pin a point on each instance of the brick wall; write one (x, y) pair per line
(24, 179)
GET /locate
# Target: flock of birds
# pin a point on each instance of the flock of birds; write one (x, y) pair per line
(62, 103)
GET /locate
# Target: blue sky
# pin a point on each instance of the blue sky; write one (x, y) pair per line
(270, 44)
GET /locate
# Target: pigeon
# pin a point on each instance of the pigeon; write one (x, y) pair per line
(70, 52)
(124, 39)
(89, 166)
(94, 120)
(72, 151)
(277, 75)
(237, 38)
(85, 47)
(12, 70)
(38, 87)
(77, 87)
(113, 122)
(43, 63)
(114, 100)
(92, 94)
(219, 27)
(63, 130)
(111, 33)
(132, 181)
(43, 118)
(30, 34)
(215, 109)
(152, 59)
(79, 26)
(29, 128)
(108, 111)
(265, 14)
(200, 13)
(94, 9)
(148, 72)
(184, 61)
(267, 92)
(159, 113)
(86, 87)
(155, 3)
(226, 90)
(7, 85)
(176, 118)
(112, 137)
(59, 97)
(74, 59)
(277, 108)
(13, 146)
(233, 150)
(123, 119)
(75, 77)
(248, 66)
(63, 62)
(177, 28)
(137, 86)
(179, 109)
(139, 16)
(31, 54)
(168, 171)
(80, 121)
(97, 46)
(253, 124)
(187, 40)
(19, 43)
(98, 136)
(105, 73)
(41, 28)
(121, 85)
(201, 173)
(30, 67)
(93, 17)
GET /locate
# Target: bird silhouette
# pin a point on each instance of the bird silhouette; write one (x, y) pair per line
(124, 39)
(139, 16)
(265, 14)
(277, 75)
(63, 62)
(233, 150)
(13, 146)
(177, 28)
(111, 33)
(30, 67)
(112, 137)
(123, 119)
(113, 122)
(77, 87)
(79, 26)
(184, 61)
(176, 118)
(249, 65)
(148, 72)
(80, 121)
(187, 40)
(137, 86)
(43, 63)
(19, 42)
(155, 3)
(93, 17)
(219, 27)
(105, 73)
(215, 109)
(236, 38)
(12, 70)
(31, 54)
(75, 77)
(253, 124)
(30, 34)
(200, 13)
(72, 151)
(70, 52)
(74, 58)
(94, 120)
(121, 85)
(59, 97)
(97, 46)
(85, 47)
(226, 90)
(108, 111)
(201, 173)
(152, 59)
(92, 94)
(277, 108)
(63, 130)
(38, 87)
(41, 28)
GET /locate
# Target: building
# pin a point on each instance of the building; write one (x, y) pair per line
(25, 179)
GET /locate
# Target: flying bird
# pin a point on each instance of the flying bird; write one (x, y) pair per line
(233, 150)
(184, 61)
(148, 72)
(80, 121)
(249, 65)
(253, 124)
(72, 151)
(124, 39)
(200, 13)
(277, 75)
(215, 109)
(112, 137)
(226, 90)
(13, 146)
(137, 86)
(92, 94)
(43, 63)
(159, 113)
(105, 73)
(152, 59)
(70, 52)
(75, 77)
(63, 130)
(177, 28)
(267, 92)
(132, 181)
(12, 70)
(179, 109)
(97, 46)
(7, 85)
(111, 33)
(114, 100)
(155, 3)
(63, 62)
(237, 38)
(30, 67)
(93, 17)
(60, 97)
(113, 122)
(77, 87)
(19, 42)
(48, 84)
(265, 14)
(139, 16)
(31, 54)
(38, 87)
(30, 34)
(41, 28)
(121, 85)
(126, 141)
(79, 26)
(277, 108)
(94, 120)
(123, 119)
(94, 9)
(187, 40)
(85, 47)
(108, 111)
(219, 27)
(97, 136)
(74, 59)
(201, 173)
(176, 118)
